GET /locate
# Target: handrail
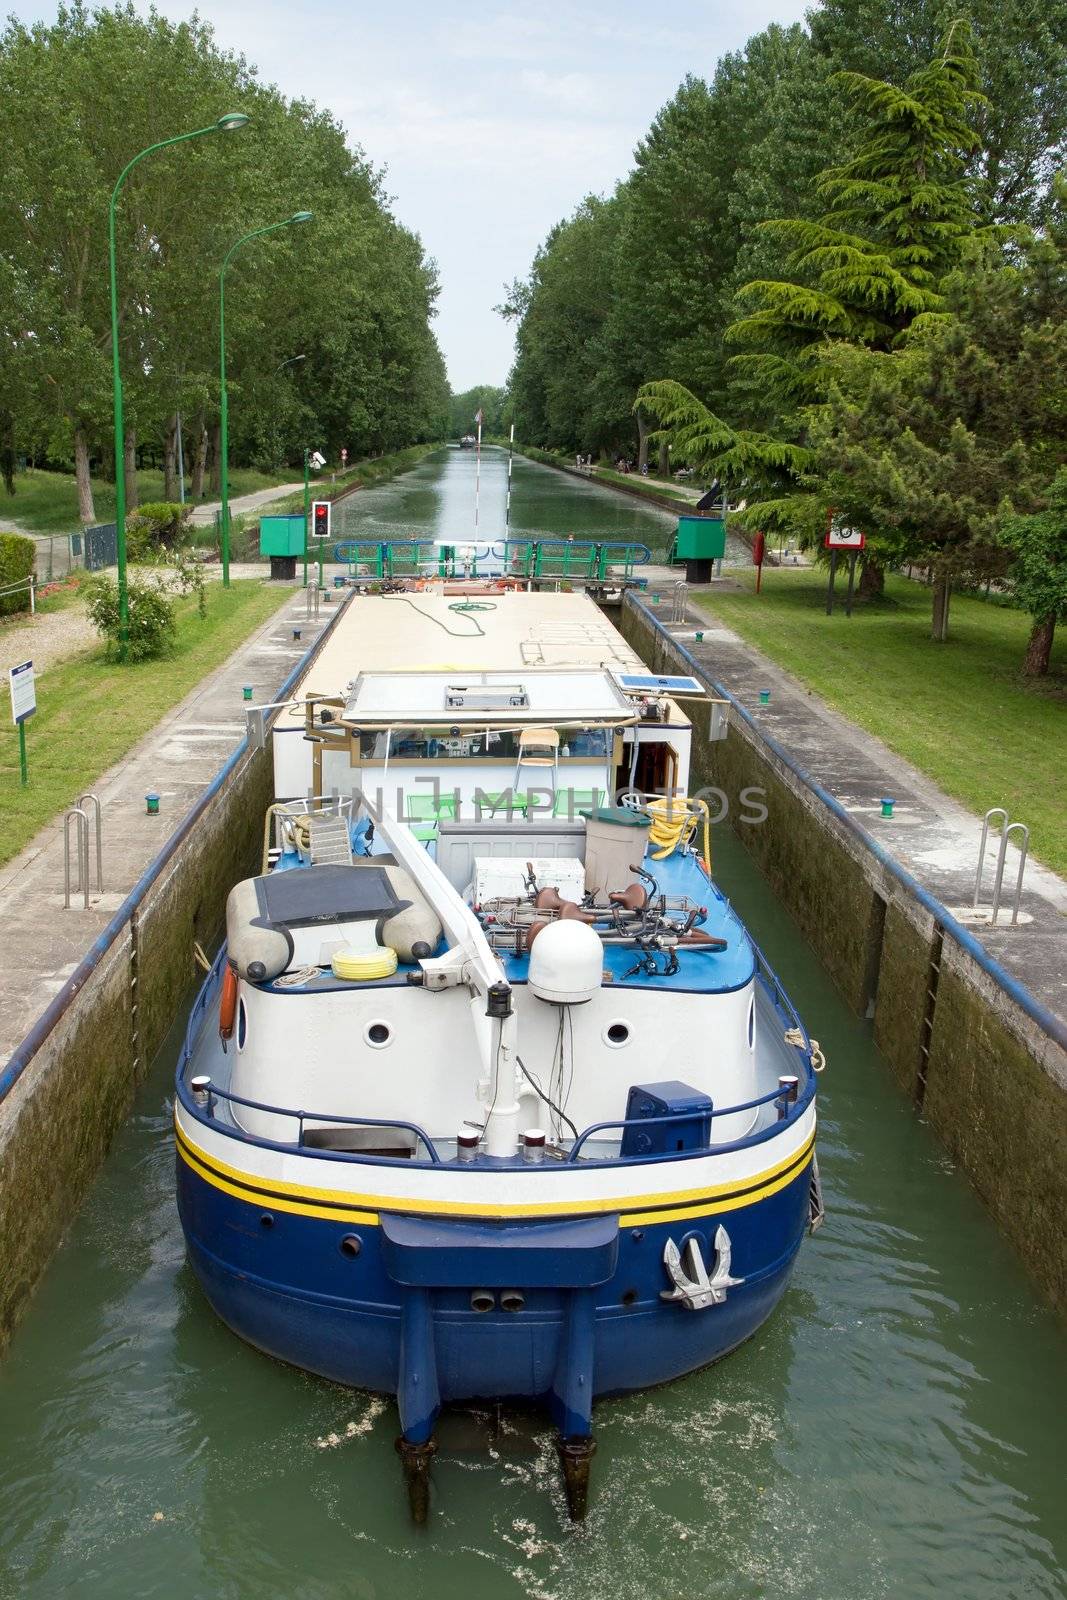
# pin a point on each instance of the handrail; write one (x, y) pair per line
(300, 1117)
(687, 1116)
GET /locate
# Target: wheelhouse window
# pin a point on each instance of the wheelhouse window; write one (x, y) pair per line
(472, 744)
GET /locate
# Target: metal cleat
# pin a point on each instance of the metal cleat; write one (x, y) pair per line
(693, 1289)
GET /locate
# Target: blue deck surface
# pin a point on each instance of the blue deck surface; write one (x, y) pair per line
(704, 970)
(707, 971)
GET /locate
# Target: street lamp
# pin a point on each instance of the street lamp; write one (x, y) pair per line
(230, 123)
(224, 412)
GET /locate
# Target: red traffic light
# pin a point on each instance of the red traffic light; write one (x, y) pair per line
(320, 519)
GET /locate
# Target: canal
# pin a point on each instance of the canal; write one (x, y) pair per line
(437, 500)
(896, 1429)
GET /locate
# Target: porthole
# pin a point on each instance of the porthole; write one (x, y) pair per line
(351, 1245)
(616, 1034)
(242, 1024)
(377, 1035)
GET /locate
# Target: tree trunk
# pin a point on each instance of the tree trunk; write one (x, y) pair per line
(86, 509)
(170, 459)
(198, 443)
(215, 478)
(664, 467)
(872, 579)
(942, 595)
(642, 442)
(1039, 648)
(133, 498)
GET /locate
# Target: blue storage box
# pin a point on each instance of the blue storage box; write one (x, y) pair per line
(692, 1131)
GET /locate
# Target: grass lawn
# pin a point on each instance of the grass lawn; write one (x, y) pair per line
(91, 711)
(960, 711)
(47, 502)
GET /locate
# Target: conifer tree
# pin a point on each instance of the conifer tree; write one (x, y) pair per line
(900, 211)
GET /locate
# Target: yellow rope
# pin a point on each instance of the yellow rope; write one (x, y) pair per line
(674, 824)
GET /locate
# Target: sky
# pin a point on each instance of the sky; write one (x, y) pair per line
(491, 120)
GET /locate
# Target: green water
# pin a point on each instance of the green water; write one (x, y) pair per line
(437, 500)
(896, 1429)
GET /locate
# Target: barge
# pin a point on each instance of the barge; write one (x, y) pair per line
(489, 1095)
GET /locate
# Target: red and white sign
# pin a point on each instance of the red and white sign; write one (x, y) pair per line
(839, 536)
(344, 456)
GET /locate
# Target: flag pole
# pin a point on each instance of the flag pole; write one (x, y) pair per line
(507, 506)
(478, 472)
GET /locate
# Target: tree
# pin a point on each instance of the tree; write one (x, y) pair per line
(1038, 547)
(463, 408)
(80, 97)
(561, 310)
(1021, 71)
(932, 441)
(900, 214)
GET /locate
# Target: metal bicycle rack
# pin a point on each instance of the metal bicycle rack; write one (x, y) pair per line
(80, 817)
(312, 595)
(1007, 828)
(679, 601)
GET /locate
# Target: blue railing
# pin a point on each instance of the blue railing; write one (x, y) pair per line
(300, 1117)
(687, 1116)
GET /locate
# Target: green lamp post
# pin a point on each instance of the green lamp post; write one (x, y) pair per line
(230, 123)
(255, 233)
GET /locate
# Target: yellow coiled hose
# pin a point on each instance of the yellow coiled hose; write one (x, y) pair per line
(674, 824)
(358, 966)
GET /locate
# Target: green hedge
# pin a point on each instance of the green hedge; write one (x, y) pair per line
(17, 556)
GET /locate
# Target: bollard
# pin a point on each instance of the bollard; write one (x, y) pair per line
(247, 691)
(151, 803)
(699, 636)
(765, 697)
(887, 806)
(296, 633)
(788, 1088)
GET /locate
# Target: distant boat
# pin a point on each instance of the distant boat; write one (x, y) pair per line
(468, 442)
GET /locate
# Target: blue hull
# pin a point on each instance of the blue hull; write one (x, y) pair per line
(288, 1288)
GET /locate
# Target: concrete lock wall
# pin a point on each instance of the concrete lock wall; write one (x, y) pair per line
(985, 1067)
(57, 1122)
(71, 1082)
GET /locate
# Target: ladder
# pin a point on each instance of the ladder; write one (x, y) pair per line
(329, 839)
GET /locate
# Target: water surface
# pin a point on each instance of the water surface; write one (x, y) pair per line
(437, 501)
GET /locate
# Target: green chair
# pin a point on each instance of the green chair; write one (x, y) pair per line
(506, 800)
(425, 811)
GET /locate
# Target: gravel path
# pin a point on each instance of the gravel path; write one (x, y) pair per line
(49, 637)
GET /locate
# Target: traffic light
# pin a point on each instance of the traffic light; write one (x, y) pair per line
(320, 519)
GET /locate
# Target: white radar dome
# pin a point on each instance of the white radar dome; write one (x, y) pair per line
(566, 963)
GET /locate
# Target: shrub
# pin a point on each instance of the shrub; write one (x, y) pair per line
(155, 528)
(17, 556)
(150, 628)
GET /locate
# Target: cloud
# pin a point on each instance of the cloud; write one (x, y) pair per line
(572, 89)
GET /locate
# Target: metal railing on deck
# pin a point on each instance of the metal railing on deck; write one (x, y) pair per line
(586, 559)
(683, 1116)
(206, 1094)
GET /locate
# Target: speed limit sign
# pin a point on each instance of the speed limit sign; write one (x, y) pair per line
(344, 457)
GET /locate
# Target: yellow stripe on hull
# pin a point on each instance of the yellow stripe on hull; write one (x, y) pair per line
(637, 1210)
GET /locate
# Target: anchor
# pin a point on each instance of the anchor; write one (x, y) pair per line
(693, 1289)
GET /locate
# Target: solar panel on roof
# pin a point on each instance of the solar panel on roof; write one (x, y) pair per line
(648, 683)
